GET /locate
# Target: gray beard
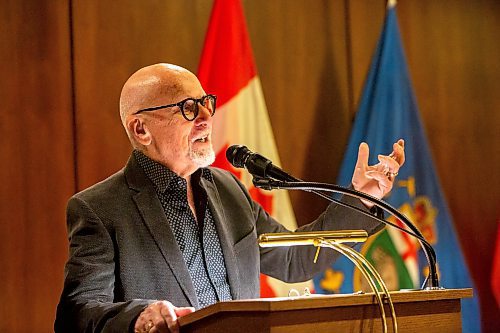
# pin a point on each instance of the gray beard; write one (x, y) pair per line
(202, 158)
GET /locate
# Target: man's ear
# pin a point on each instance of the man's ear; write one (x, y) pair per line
(139, 131)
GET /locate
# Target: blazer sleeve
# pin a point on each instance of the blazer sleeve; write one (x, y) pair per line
(295, 263)
(86, 303)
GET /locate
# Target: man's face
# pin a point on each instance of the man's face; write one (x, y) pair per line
(181, 145)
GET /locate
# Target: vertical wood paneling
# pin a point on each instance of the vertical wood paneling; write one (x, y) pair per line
(37, 161)
(300, 52)
(365, 26)
(112, 39)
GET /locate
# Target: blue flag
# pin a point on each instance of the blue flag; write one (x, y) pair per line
(388, 111)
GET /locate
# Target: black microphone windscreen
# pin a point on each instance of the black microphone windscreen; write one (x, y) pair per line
(237, 155)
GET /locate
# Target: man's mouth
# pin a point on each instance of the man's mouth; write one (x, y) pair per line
(202, 139)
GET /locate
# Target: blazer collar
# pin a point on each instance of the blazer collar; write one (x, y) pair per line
(154, 218)
(226, 243)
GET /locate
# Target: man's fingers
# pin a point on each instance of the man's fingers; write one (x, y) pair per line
(183, 311)
(160, 325)
(144, 322)
(401, 142)
(167, 311)
(158, 317)
(399, 150)
(173, 325)
(377, 179)
(381, 178)
(156, 329)
(388, 164)
(363, 154)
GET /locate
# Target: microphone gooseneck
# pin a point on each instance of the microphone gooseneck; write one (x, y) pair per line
(268, 177)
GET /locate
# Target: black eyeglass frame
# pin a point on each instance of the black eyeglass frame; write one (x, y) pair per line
(181, 106)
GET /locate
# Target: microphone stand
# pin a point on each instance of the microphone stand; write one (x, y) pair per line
(292, 183)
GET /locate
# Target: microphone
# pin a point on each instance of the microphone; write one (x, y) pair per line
(268, 176)
(259, 166)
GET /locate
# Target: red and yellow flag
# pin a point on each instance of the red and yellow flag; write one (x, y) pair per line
(227, 69)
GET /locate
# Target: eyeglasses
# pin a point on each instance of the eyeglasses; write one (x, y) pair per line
(189, 106)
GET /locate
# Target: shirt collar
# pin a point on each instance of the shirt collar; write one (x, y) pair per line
(161, 176)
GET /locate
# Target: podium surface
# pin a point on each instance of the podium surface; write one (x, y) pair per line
(416, 311)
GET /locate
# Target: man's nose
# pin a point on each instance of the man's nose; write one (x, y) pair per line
(204, 114)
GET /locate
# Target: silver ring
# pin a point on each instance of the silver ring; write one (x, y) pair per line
(391, 174)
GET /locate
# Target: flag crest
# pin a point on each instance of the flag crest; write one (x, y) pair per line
(388, 111)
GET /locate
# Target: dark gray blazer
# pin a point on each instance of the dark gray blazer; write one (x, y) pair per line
(123, 254)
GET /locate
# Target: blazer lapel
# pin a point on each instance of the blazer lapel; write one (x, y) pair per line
(226, 243)
(155, 220)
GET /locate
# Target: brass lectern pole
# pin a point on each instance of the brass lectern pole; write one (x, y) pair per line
(334, 240)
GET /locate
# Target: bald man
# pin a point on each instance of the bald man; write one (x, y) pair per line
(168, 234)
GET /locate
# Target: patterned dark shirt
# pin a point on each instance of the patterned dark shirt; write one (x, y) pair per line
(196, 240)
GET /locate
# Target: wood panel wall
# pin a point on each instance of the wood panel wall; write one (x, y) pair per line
(112, 39)
(37, 173)
(67, 60)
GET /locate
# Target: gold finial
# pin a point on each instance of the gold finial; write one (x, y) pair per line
(391, 3)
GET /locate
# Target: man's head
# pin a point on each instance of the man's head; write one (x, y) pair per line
(164, 134)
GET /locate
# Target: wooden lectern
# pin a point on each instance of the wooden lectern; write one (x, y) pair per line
(416, 311)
